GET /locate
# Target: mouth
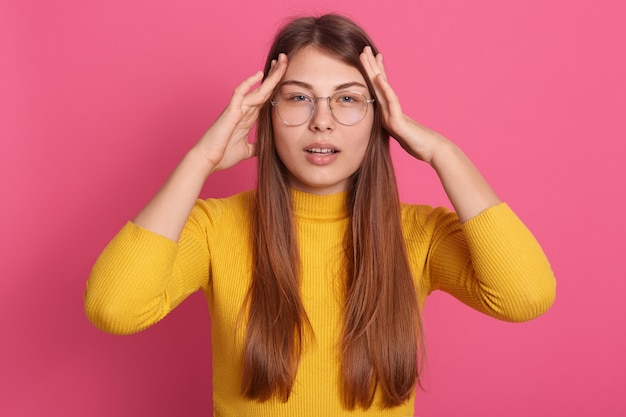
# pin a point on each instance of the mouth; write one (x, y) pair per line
(321, 151)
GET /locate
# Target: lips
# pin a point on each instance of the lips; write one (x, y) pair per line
(321, 153)
(321, 149)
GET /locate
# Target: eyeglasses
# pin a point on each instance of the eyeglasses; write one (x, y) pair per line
(347, 107)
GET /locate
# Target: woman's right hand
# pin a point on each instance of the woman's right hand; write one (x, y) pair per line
(222, 146)
(226, 142)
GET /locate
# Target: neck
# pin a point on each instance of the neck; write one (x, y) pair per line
(324, 207)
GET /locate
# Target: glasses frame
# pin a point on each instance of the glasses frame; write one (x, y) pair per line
(330, 107)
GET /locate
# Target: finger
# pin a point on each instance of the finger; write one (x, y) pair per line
(371, 63)
(387, 95)
(249, 82)
(375, 71)
(263, 92)
(245, 86)
(381, 65)
(277, 70)
(276, 73)
(366, 61)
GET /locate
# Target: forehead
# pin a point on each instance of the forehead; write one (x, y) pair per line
(320, 70)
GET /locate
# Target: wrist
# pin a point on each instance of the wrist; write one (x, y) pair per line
(419, 141)
(196, 161)
(444, 152)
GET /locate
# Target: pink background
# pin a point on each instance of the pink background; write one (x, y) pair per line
(99, 100)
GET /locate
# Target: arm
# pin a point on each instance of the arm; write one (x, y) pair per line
(491, 261)
(225, 144)
(147, 269)
(467, 190)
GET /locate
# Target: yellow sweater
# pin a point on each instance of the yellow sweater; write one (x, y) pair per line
(492, 263)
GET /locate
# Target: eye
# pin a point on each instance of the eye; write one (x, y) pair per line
(298, 98)
(348, 99)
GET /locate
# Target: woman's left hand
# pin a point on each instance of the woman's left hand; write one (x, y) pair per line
(416, 139)
(468, 191)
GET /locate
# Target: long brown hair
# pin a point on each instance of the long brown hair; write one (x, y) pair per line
(381, 340)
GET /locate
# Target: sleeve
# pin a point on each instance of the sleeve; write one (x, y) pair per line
(492, 263)
(141, 276)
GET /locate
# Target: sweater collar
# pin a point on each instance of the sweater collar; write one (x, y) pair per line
(320, 207)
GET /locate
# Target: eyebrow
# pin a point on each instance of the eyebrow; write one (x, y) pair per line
(310, 87)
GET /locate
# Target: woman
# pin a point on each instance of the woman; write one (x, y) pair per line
(315, 280)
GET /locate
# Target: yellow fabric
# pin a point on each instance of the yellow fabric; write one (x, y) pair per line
(492, 263)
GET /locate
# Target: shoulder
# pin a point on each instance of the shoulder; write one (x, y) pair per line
(426, 217)
(240, 201)
(235, 208)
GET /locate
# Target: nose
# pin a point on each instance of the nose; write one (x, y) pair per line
(322, 118)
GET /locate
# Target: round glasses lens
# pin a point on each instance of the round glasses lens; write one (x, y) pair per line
(295, 108)
(348, 107)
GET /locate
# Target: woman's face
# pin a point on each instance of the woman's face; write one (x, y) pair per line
(321, 154)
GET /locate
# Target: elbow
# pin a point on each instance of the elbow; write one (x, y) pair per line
(112, 316)
(534, 307)
(106, 317)
(530, 301)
